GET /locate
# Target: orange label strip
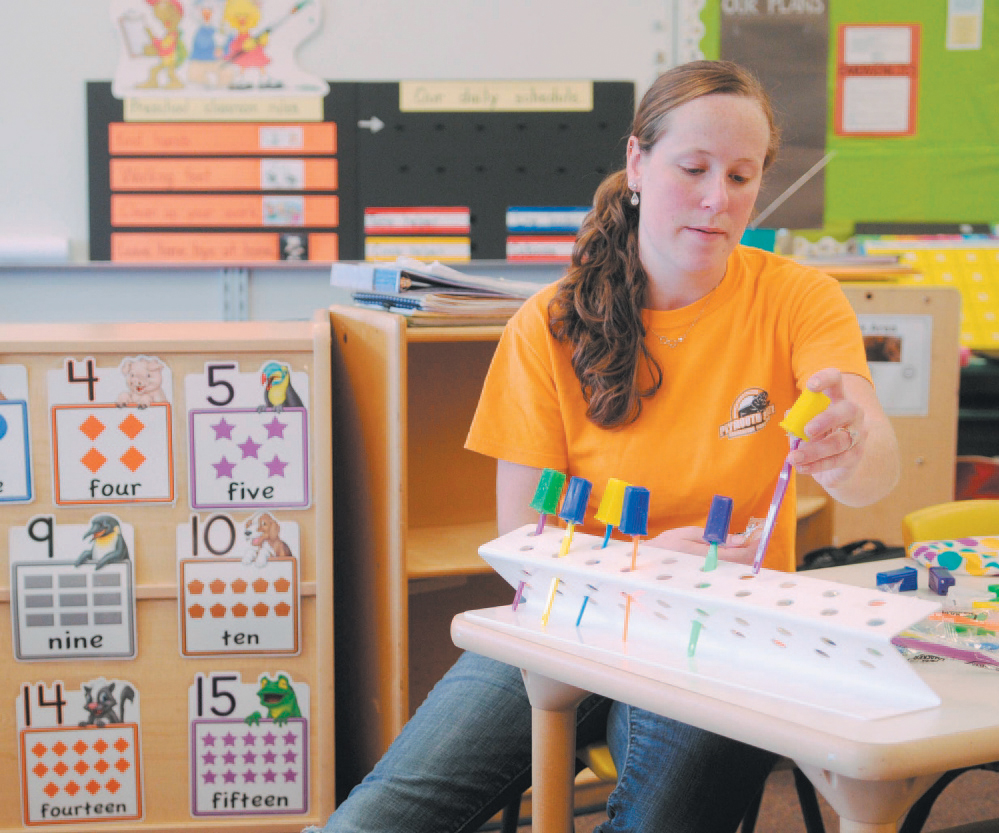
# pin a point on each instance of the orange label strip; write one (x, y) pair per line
(187, 139)
(181, 247)
(248, 210)
(223, 174)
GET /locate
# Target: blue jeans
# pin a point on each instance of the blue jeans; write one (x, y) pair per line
(467, 752)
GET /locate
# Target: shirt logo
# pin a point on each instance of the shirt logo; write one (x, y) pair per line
(751, 411)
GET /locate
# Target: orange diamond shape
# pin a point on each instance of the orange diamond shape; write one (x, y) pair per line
(130, 426)
(217, 586)
(79, 747)
(101, 766)
(113, 786)
(39, 749)
(196, 611)
(50, 789)
(132, 459)
(195, 587)
(40, 770)
(60, 748)
(282, 609)
(240, 610)
(93, 460)
(60, 768)
(121, 744)
(81, 767)
(282, 585)
(217, 611)
(100, 746)
(239, 586)
(260, 609)
(72, 788)
(260, 585)
(92, 427)
(92, 787)
(122, 765)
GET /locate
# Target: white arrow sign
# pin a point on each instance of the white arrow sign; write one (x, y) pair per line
(374, 124)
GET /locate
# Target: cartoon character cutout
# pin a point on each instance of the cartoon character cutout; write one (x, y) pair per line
(278, 697)
(143, 382)
(197, 48)
(108, 545)
(262, 534)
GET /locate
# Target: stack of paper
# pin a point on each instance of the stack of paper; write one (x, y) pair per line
(432, 294)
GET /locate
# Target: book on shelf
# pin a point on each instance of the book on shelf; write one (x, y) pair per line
(434, 294)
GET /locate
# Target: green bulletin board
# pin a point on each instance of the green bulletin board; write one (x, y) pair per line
(948, 172)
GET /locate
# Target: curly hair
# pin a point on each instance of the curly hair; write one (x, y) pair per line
(597, 309)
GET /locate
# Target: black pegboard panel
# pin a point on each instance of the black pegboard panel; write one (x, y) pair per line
(486, 161)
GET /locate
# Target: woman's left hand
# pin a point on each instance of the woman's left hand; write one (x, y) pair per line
(837, 437)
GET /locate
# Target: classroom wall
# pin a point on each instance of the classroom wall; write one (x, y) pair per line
(50, 48)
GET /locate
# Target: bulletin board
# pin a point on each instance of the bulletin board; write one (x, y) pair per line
(166, 638)
(458, 171)
(948, 170)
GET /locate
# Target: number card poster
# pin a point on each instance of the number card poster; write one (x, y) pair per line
(111, 435)
(73, 589)
(238, 586)
(249, 436)
(249, 745)
(79, 753)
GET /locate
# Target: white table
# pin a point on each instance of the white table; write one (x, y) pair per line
(870, 771)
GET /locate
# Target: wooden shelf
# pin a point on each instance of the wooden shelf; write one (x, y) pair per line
(436, 551)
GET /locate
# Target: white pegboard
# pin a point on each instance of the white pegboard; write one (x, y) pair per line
(783, 635)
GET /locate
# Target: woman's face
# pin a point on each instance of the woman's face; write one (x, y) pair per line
(698, 185)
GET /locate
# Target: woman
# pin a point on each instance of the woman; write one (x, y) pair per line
(665, 358)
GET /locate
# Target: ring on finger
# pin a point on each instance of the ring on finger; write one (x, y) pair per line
(852, 433)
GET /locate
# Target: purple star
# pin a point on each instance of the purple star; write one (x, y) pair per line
(290, 775)
(208, 739)
(209, 777)
(249, 448)
(223, 430)
(229, 777)
(290, 756)
(270, 776)
(270, 756)
(275, 468)
(249, 739)
(275, 428)
(269, 739)
(229, 757)
(249, 777)
(208, 757)
(289, 738)
(249, 757)
(229, 739)
(223, 468)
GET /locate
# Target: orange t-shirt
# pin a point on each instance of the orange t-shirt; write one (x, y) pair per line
(712, 428)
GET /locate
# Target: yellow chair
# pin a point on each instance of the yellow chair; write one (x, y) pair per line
(955, 519)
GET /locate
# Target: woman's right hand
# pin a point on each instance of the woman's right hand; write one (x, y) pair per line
(740, 548)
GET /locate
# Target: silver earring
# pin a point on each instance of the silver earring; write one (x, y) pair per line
(634, 198)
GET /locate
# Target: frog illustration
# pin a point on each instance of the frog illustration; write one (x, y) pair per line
(278, 697)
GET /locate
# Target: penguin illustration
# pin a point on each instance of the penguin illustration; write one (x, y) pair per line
(108, 543)
(278, 392)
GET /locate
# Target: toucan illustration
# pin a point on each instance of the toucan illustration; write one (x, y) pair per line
(108, 543)
(278, 392)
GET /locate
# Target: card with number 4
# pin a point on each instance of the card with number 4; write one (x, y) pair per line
(111, 434)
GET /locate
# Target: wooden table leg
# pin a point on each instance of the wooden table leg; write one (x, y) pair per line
(867, 806)
(553, 751)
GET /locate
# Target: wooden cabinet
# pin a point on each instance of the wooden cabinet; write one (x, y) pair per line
(414, 506)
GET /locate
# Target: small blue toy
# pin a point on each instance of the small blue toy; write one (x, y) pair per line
(940, 580)
(905, 577)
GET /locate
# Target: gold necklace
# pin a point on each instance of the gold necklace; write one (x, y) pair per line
(672, 343)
